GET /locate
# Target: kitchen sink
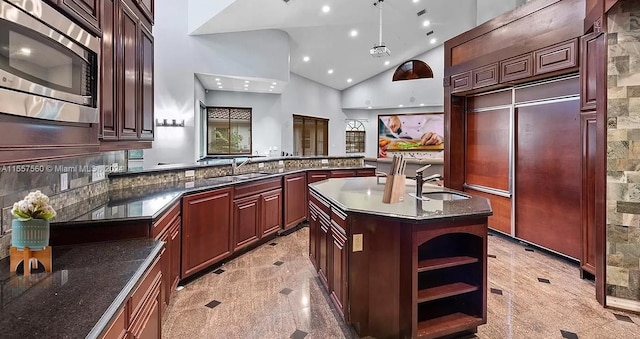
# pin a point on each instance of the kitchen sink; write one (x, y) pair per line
(440, 196)
(247, 176)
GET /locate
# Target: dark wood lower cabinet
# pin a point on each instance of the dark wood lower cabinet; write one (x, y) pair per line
(589, 158)
(295, 199)
(338, 257)
(271, 212)
(246, 221)
(206, 229)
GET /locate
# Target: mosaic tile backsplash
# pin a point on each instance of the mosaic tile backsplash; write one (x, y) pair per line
(623, 151)
(84, 186)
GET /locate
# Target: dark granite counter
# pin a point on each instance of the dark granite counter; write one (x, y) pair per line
(89, 283)
(150, 201)
(364, 195)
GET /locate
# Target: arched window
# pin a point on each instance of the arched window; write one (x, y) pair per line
(355, 138)
(412, 69)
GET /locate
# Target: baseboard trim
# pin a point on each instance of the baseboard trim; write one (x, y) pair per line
(623, 304)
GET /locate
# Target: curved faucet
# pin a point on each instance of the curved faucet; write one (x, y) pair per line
(420, 180)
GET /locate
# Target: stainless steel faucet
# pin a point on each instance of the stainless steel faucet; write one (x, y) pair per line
(234, 166)
(420, 180)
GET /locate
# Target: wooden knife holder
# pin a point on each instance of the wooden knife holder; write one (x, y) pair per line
(394, 189)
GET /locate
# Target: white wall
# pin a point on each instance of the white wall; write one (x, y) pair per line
(489, 9)
(369, 118)
(200, 11)
(265, 114)
(200, 97)
(306, 97)
(380, 92)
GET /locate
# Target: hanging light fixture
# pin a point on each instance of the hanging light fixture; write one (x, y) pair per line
(380, 49)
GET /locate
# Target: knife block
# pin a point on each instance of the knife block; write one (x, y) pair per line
(394, 189)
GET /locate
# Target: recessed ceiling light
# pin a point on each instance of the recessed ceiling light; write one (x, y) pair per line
(272, 87)
(246, 89)
(414, 1)
(349, 80)
(369, 107)
(354, 33)
(219, 83)
(426, 23)
(386, 63)
(306, 59)
(433, 41)
(246, 85)
(274, 83)
(219, 86)
(270, 90)
(217, 79)
(421, 104)
(246, 81)
(401, 105)
(330, 71)
(326, 9)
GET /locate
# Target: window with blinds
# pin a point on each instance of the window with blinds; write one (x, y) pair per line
(310, 135)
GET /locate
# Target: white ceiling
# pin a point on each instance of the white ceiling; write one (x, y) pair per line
(325, 37)
(240, 84)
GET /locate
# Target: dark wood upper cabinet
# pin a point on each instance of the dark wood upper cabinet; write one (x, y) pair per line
(108, 116)
(555, 58)
(147, 8)
(485, 76)
(85, 12)
(127, 77)
(516, 68)
(145, 69)
(461, 82)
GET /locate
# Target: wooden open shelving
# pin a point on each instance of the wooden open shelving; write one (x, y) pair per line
(444, 291)
(438, 263)
(448, 324)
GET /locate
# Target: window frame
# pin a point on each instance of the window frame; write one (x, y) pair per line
(325, 134)
(206, 128)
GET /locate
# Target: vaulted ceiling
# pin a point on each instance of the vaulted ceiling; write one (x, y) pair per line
(337, 41)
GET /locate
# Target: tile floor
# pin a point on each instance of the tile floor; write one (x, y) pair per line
(273, 292)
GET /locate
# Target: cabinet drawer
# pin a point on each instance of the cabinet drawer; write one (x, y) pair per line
(165, 221)
(485, 76)
(367, 173)
(555, 58)
(314, 176)
(339, 218)
(516, 68)
(343, 174)
(257, 187)
(145, 288)
(461, 82)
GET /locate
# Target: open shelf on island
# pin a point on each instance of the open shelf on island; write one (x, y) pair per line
(444, 291)
(438, 263)
(447, 324)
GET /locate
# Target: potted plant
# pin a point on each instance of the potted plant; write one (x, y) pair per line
(30, 226)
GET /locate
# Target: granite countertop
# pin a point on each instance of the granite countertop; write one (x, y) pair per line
(364, 195)
(433, 161)
(88, 285)
(150, 201)
(223, 162)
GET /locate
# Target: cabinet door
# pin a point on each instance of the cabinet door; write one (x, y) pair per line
(338, 266)
(295, 202)
(127, 68)
(148, 324)
(176, 249)
(165, 263)
(246, 222)
(271, 211)
(145, 68)
(323, 244)
(87, 12)
(118, 329)
(108, 113)
(591, 68)
(147, 8)
(589, 158)
(206, 227)
(314, 229)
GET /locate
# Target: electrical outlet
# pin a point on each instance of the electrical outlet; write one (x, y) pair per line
(324, 161)
(114, 210)
(280, 162)
(115, 167)
(357, 243)
(97, 173)
(189, 184)
(190, 173)
(98, 214)
(261, 165)
(64, 182)
(281, 170)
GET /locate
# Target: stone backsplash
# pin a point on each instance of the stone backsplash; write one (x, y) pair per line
(623, 151)
(85, 186)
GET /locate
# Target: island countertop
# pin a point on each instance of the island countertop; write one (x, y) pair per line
(364, 195)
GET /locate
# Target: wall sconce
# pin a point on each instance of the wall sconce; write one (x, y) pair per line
(170, 122)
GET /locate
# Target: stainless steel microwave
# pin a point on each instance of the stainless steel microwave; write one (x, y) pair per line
(48, 64)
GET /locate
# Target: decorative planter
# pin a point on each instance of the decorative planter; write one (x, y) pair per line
(33, 233)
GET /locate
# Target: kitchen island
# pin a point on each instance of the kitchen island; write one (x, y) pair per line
(413, 269)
